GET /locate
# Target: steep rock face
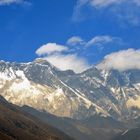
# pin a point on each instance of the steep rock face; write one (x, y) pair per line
(116, 92)
(125, 86)
(40, 85)
(37, 85)
(91, 85)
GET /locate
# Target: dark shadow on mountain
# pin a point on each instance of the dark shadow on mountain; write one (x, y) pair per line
(15, 124)
(96, 128)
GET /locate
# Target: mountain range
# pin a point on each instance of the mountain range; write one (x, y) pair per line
(95, 98)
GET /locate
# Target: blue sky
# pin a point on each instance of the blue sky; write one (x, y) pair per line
(80, 31)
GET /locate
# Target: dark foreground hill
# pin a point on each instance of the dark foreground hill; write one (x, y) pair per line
(99, 128)
(18, 125)
(133, 134)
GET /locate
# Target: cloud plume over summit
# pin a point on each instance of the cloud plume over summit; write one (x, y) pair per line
(122, 60)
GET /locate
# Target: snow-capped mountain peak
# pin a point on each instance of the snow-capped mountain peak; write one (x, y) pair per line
(40, 85)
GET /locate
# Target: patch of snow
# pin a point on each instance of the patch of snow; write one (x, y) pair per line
(125, 132)
(105, 74)
(8, 74)
(112, 89)
(137, 86)
(124, 95)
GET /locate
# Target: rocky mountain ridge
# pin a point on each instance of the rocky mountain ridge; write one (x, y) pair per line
(38, 84)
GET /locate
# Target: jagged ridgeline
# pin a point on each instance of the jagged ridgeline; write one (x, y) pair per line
(94, 92)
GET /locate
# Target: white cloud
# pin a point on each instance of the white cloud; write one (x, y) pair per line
(66, 58)
(137, 2)
(7, 2)
(75, 40)
(53, 53)
(66, 62)
(101, 40)
(125, 11)
(50, 48)
(95, 41)
(104, 3)
(95, 45)
(122, 60)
